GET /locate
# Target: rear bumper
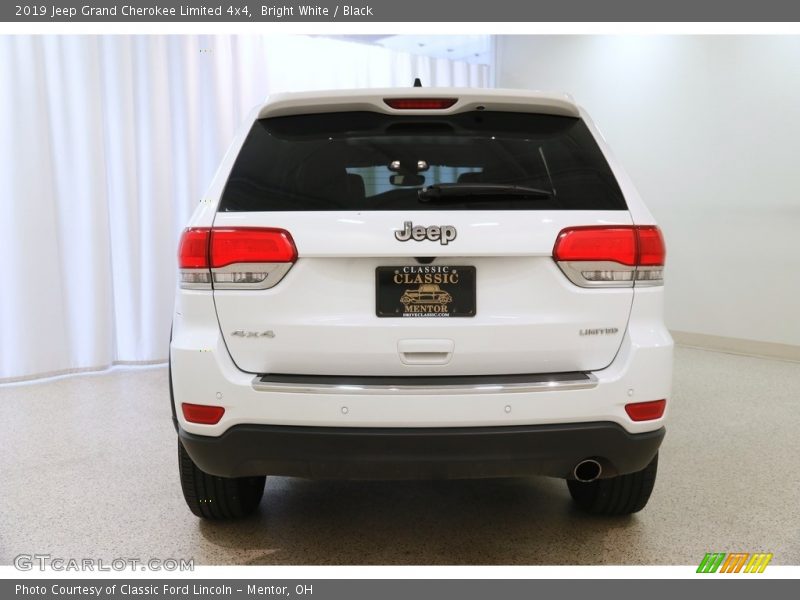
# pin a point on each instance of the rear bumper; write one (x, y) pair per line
(203, 373)
(420, 453)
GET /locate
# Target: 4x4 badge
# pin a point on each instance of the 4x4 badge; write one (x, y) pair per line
(255, 334)
(444, 234)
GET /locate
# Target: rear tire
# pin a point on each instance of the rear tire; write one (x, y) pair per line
(621, 495)
(212, 497)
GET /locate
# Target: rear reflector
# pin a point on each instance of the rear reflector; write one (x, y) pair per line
(251, 245)
(646, 411)
(420, 103)
(202, 414)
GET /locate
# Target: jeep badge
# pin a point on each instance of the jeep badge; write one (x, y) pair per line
(444, 234)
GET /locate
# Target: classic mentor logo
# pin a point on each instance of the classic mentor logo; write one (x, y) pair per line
(735, 562)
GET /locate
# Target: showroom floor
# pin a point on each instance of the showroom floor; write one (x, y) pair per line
(89, 470)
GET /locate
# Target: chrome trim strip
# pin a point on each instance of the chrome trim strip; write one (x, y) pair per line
(574, 272)
(274, 273)
(194, 286)
(649, 282)
(542, 384)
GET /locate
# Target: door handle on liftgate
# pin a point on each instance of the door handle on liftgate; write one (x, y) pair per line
(425, 351)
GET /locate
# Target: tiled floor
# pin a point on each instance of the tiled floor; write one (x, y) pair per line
(88, 468)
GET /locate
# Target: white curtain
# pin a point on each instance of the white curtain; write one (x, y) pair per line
(108, 143)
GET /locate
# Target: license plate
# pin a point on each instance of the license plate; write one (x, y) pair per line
(425, 291)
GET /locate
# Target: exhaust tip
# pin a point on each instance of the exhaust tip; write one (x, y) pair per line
(587, 470)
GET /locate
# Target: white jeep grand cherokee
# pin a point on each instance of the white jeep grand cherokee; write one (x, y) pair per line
(420, 283)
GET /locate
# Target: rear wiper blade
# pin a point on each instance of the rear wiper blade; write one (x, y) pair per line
(443, 192)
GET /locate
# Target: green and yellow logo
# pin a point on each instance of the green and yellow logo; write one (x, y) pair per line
(735, 562)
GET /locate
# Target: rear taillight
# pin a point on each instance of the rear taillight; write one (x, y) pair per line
(235, 257)
(611, 256)
(651, 246)
(193, 258)
(420, 103)
(249, 245)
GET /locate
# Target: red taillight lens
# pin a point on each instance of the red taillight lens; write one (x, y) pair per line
(628, 245)
(251, 245)
(646, 411)
(652, 251)
(202, 414)
(420, 103)
(616, 244)
(193, 248)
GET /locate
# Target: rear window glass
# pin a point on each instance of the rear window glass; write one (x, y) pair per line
(358, 161)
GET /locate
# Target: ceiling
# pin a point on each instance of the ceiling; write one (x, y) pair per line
(468, 48)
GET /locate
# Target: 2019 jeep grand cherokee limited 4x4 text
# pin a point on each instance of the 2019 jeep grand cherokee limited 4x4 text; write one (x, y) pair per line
(419, 283)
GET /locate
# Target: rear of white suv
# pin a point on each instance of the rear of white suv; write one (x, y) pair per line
(423, 283)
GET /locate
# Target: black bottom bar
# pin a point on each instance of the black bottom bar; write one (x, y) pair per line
(420, 453)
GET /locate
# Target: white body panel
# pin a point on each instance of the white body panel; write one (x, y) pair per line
(528, 320)
(204, 373)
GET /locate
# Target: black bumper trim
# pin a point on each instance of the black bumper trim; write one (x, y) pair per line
(420, 453)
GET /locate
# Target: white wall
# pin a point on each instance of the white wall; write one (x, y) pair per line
(108, 144)
(709, 129)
